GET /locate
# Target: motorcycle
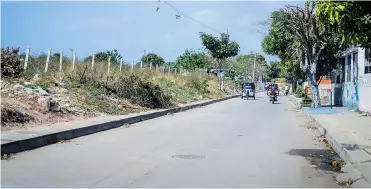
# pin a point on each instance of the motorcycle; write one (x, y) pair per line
(286, 92)
(273, 97)
(268, 91)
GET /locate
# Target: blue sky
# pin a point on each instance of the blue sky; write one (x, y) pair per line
(130, 26)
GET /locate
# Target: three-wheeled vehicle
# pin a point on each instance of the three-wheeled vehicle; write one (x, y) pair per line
(248, 90)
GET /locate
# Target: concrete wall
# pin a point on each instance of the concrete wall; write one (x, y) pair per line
(364, 91)
(364, 84)
(349, 95)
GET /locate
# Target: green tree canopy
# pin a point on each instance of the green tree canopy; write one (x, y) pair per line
(298, 37)
(275, 69)
(351, 19)
(220, 48)
(171, 64)
(191, 60)
(104, 55)
(245, 65)
(153, 58)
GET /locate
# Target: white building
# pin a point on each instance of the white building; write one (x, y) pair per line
(352, 80)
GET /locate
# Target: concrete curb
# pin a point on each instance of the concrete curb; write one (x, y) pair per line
(68, 134)
(338, 148)
(346, 155)
(296, 103)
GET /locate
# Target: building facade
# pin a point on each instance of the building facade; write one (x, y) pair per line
(351, 81)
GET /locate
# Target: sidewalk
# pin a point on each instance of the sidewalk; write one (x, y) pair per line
(348, 133)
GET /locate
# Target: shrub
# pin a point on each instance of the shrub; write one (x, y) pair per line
(10, 63)
(299, 92)
(140, 92)
(238, 83)
(196, 81)
(46, 82)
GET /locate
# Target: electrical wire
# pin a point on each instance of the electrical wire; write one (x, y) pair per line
(194, 20)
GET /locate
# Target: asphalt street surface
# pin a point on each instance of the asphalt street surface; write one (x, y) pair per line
(234, 143)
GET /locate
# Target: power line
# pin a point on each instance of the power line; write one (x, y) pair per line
(206, 26)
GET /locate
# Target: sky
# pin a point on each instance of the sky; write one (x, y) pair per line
(131, 26)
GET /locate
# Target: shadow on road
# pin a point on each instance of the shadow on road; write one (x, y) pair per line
(319, 158)
(274, 102)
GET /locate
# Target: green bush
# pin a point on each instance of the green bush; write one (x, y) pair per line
(45, 82)
(196, 81)
(299, 92)
(238, 83)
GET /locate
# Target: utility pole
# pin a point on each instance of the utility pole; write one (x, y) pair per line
(253, 73)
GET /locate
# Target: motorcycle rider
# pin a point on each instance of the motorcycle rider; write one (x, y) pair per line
(273, 87)
(267, 85)
(286, 89)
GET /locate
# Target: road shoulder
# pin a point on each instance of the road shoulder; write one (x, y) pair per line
(23, 140)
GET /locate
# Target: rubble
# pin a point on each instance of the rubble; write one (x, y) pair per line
(39, 103)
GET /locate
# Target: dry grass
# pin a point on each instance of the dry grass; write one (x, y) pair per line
(95, 91)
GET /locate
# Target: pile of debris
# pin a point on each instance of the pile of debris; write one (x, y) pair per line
(31, 103)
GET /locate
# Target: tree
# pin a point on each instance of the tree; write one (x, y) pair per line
(314, 45)
(275, 69)
(220, 48)
(191, 60)
(351, 19)
(104, 55)
(279, 42)
(245, 65)
(57, 55)
(153, 58)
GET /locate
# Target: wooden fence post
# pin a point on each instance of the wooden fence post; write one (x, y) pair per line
(121, 61)
(60, 61)
(26, 58)
(132, 67)
(109, 64)
(92, 61)
(48, 59)
(73, 60)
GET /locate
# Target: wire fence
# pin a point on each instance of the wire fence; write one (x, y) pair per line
(48, 64)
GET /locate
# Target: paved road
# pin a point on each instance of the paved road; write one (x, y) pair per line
(246, 143)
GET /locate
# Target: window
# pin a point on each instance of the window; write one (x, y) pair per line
(368, 61)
